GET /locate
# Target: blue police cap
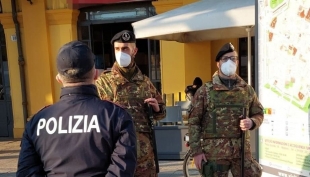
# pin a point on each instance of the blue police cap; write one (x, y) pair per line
(75, 55)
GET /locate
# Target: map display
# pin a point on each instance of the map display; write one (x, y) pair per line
(284, 86)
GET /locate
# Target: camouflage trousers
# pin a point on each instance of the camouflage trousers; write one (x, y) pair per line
(220, 168)
(145, 156)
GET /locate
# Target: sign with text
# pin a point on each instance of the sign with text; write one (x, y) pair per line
(284, 86)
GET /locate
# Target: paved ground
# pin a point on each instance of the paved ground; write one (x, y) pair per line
(9, 151)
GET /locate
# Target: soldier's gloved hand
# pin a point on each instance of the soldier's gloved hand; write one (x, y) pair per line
(198, 159)
(246, 124)
(153, 102)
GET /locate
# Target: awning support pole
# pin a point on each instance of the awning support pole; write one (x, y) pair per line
(248, 30)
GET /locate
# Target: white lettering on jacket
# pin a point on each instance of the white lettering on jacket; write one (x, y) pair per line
(76, 124)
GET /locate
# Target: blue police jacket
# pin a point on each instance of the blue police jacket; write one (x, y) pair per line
(79, 136)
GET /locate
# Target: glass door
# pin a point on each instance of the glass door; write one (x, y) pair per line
(6, 118)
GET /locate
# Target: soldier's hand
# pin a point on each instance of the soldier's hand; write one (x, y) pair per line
(153, 102)
(198, 159)
(246, 124)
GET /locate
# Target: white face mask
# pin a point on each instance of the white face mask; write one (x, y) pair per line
(123, 59)
(228, 68)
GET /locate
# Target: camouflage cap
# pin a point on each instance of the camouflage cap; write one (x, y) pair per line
(124, 36)
(226, 48)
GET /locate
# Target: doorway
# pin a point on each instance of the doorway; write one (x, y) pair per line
(6, 118)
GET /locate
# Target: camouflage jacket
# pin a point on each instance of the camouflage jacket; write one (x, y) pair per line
(131, 94)
(200, 117)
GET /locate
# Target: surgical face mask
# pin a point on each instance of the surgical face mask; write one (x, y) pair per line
(123, 59)
(228, 68)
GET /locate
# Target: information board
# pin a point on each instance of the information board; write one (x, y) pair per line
(284, 86)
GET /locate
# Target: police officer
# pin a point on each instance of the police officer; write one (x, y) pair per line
(80, 135)
(214, 120)
(124, 84)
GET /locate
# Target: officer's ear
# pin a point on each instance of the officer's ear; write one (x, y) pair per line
(135, 50)
(96, 74)
(58, 79)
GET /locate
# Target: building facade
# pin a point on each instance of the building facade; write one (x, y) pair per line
(28, 68)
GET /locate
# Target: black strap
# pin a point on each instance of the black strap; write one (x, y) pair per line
(150, 111)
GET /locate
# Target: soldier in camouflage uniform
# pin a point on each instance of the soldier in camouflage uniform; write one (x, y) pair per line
(124, 84)
(214, 121)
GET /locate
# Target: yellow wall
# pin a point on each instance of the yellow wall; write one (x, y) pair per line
(172, 54)
(65, 31)
(62, 23)
(38, 66)
(162, 6)
(181, 63)
(197, 61)
(173, 68)
(43, 33)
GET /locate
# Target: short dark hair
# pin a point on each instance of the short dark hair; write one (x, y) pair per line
(69, 79)
(197, 81)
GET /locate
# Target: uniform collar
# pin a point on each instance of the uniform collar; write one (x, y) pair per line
(218, 85)
(90, 90)
(138, 76)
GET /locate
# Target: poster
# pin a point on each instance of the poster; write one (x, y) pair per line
(284, 86)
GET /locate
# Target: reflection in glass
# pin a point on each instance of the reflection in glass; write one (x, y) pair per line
(103, 15)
